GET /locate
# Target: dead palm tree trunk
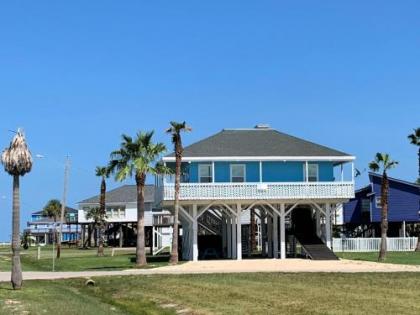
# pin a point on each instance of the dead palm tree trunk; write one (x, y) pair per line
(140, 248)
(16, 267)
(384, 216)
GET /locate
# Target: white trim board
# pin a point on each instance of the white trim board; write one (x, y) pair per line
(262, 158)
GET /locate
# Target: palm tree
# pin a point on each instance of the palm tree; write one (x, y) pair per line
(53, 210)
(137, 157)
(175, 130)
(102, 172)
(97, 216)
(17, 161)
(383, 162)
(415, 140)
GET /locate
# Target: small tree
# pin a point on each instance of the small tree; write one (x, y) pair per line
(415, 140)
(175, 130)
(99, 220)
(53, 210)
(383, 162)
(102, 172)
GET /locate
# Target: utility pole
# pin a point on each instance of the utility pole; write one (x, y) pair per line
(63, 203)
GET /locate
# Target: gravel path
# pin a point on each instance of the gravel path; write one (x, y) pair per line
(230, 266)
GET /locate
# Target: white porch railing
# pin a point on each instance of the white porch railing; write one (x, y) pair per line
(232, 191)
(394, 244)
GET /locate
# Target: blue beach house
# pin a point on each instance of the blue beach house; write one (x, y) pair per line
(292, 186)
(362, 214)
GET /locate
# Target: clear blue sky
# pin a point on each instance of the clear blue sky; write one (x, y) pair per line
(77, 74)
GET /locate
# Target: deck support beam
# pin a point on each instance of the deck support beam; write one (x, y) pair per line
(275, 236)
(195, 232)
(238, 232)
(282, 231)
(328, 225)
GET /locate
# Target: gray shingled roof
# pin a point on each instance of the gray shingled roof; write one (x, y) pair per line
(68, 210)
(256, 142)
(124, 194)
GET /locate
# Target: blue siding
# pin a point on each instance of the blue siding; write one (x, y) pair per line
(403, 201)
(222, 171)
(352, 210)
(193, 172)
(326, 171)
(272, 171)
(294, 171)
(282, 171)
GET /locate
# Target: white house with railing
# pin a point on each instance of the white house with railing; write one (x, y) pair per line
(293, 186)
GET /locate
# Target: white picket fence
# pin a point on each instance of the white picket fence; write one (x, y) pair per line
(394, 244)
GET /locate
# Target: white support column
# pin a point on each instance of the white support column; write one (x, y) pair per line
(328, 225)
(163, 175)
(403, 229)
(306, 171)
(153, 240)
(212, 172)
(229, 236)
(260, 171)
(238, 232)
(352, 172)
(318, 222)
(234, 234)
(275, 235)
(195, 233)
(282, 231)
(342, 172)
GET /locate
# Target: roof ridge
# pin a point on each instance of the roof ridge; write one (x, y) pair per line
(308, 141)
(396, 179)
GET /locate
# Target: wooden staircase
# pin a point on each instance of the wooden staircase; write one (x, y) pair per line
(315, 248)
(304, 232)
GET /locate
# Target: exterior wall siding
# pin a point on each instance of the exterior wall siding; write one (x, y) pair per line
(271, 171)
(403, 201)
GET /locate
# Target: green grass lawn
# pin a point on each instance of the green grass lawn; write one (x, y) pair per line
(73, 259)
(257, 293)
(406, 258)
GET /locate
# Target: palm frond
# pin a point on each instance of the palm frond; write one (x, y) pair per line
(17, 158)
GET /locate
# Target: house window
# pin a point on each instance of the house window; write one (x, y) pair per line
(313, 172)
(205, 173)
(237, 173)
(365, 205)
(378, 202)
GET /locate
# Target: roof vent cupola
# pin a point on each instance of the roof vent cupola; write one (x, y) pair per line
(262, 126)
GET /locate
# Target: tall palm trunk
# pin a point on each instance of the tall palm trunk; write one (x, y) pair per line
(140, 249)
(102, 214)
(174, 252)
(16, 267)
(419, 165)
(384, 216)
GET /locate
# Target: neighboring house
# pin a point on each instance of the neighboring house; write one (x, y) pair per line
(293, 185)
(121, 218)
(362, 214)
(41, 227)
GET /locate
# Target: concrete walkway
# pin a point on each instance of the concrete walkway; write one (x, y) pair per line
(230, 266)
